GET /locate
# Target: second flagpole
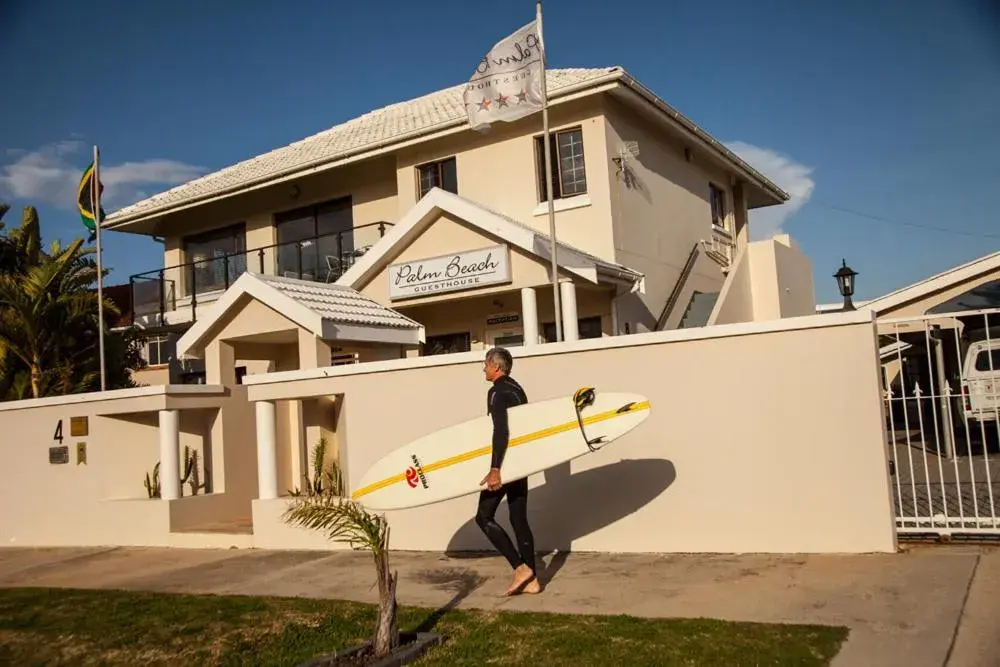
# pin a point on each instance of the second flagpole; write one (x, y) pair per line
(548, 178)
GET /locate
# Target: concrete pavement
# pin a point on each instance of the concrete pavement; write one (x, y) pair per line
(927, 606)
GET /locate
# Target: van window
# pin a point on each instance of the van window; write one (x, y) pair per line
(984, 361)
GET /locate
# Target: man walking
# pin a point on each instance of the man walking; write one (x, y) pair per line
(504, 394)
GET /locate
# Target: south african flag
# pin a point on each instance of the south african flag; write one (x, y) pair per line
(85, 201)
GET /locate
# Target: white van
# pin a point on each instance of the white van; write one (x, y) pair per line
(981, 380)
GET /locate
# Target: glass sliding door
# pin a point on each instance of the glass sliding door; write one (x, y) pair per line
(313, 239)
(217, 259)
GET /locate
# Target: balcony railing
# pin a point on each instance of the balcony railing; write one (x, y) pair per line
(156, 295)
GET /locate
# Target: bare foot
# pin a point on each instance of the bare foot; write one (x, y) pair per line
(523, 577)
(533, 587)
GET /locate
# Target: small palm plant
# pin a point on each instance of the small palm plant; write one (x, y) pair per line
(344, 520)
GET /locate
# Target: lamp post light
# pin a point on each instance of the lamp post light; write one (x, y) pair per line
(845, 284)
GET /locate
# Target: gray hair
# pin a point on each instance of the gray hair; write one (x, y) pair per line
(500, 358)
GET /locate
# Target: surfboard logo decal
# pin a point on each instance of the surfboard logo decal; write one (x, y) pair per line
(487, 450)
(414, 472)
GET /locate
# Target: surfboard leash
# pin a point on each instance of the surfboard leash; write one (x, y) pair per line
(583, 398)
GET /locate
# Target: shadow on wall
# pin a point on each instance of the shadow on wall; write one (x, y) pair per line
(567, 506)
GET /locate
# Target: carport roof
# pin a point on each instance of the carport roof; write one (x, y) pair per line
(329, 311)
(941, 281)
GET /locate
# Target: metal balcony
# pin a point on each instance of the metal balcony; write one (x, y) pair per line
(172, 295)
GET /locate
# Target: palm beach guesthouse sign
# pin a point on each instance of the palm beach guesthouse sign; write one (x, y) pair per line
(449, 273)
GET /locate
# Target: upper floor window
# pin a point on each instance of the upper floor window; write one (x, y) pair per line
(717, 198)
(441, 174)
(569, 177)
(316, 242)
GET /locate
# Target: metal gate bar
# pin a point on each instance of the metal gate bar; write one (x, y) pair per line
(941, 388)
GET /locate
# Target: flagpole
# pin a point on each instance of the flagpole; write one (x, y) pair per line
(548, 178)
(96, 199)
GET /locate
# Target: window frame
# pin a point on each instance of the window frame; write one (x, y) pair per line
(208, 265)
(723, 199)
(159, 341)
(557, 169)
(285, 249)
(582, 324)
(464, 336)
(438, 166)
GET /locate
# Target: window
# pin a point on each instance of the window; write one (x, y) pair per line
(717, 198)
(218, 258)
(325, 235)
(160, 350)
(447, 344)
(590, 327)
(988, 360)
(569, 177)
(441, 174)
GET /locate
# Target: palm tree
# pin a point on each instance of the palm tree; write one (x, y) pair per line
(48, 318)
(344, 520)
(40, 307)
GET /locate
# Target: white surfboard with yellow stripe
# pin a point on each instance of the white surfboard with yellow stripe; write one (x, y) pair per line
(451, 462)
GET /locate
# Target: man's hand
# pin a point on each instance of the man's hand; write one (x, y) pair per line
(492, 480)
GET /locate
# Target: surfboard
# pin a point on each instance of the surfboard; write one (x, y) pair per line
(451, 462)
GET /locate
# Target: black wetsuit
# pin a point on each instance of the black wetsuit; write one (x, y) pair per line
(506, 393)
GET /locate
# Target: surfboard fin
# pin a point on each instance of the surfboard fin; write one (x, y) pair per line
(584, 398)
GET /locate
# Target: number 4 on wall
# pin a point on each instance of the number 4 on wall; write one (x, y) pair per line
(58, 434)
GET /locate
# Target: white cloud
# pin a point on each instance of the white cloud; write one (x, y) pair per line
(50, 175)
(791, 176)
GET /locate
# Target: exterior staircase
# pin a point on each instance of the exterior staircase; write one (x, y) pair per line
(698, 310)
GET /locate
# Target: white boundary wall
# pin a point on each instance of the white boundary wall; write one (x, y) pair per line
(763, 437)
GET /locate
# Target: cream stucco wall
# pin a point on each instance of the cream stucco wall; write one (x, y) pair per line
(103, 501)
(658, 488)
(770, 279)
(660, 212)
(498, 171)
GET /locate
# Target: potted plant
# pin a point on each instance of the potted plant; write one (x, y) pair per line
(323, 507)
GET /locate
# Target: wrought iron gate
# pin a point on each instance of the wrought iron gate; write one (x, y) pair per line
(941, 386)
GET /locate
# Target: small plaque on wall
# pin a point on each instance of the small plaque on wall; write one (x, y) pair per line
(79, 427)
(59, 454)
(508, 318)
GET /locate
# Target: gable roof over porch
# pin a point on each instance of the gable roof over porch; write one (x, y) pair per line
(437, 202)
(328, 311)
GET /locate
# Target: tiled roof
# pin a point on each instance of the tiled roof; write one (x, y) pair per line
(392, 123)
(326, 310)
(338, 303)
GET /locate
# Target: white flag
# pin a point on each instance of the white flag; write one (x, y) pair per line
(507, 84)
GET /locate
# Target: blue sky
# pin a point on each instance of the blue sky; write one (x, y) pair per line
(880, 117)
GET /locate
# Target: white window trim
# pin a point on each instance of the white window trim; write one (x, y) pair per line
(564, 204)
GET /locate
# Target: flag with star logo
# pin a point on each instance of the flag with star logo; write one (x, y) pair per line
(507, 84)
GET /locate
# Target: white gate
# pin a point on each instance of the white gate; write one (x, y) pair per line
(941, 383)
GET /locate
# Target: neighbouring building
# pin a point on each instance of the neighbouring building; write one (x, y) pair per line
(403, 232)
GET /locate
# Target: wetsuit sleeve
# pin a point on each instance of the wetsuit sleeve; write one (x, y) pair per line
(501, 429)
